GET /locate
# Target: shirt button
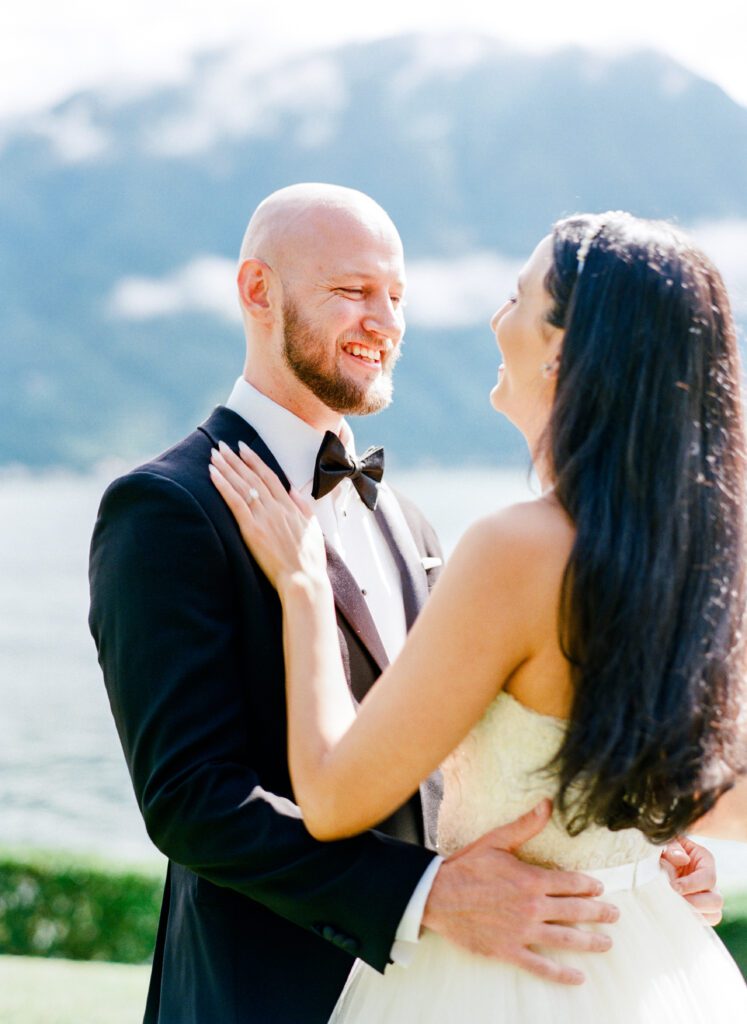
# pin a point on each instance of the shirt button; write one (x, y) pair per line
(364, 591)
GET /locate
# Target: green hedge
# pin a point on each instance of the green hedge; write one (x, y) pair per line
(733, 930)
(53, 907)
(50, 906)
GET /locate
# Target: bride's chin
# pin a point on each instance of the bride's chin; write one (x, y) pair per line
(500, 404)
(495, 398)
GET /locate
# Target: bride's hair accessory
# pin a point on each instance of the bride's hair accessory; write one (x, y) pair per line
(583, 250)
(592, 232)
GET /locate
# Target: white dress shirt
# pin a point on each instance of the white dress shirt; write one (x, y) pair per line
(351, 529)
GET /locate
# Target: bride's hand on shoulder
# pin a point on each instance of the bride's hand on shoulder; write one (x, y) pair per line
(278, 527)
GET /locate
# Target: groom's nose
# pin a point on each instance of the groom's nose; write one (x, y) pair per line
(384, 318)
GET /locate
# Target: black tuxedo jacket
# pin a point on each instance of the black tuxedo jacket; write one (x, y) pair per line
(259, 921)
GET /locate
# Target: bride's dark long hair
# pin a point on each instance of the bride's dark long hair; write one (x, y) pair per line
(646, 443)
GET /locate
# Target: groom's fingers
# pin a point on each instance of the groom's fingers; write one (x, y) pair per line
(700, 874)
(551, 882)
(515, 833)
(548, 969)
(485, 899)
(555, 882)
(695, 879)
(710, 905)
(559, 937)
(674, 856)
(700, 880)
(579, 910)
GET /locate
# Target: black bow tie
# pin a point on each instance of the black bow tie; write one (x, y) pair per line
(334, 463)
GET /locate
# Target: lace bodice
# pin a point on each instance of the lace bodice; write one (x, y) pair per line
(495, 775)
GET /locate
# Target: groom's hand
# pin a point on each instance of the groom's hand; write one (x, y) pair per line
(692, 873)
(485, 899)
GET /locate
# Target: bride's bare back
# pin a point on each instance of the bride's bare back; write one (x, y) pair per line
(543, 682)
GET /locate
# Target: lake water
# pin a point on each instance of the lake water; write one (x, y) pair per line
(63, 781)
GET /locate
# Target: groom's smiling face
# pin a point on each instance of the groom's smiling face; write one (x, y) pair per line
(343, 316)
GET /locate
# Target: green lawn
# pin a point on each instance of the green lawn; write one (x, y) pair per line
(34, 990)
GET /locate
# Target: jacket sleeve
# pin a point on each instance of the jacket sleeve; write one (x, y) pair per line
(163, 616)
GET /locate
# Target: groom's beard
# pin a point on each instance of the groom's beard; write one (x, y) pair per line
(307, 354)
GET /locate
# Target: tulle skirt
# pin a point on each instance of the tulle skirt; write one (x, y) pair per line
(665, 967)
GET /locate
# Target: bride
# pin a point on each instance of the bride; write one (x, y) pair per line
(585, 647)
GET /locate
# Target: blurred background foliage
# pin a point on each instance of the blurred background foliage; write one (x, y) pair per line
(53, 907)
(57, 906)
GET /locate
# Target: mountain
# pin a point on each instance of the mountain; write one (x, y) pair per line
(473, 149)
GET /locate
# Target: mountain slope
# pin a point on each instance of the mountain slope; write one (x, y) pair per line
(470, 146)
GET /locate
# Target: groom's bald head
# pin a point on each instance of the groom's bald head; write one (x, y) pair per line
(321, 281)
(294, 221)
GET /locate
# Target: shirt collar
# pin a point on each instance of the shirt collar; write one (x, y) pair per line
(293, 442)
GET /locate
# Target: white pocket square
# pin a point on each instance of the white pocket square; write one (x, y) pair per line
(430, 563)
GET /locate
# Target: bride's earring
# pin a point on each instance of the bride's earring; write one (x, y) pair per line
(549, 370)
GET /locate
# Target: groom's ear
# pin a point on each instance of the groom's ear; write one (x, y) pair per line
(256, 283)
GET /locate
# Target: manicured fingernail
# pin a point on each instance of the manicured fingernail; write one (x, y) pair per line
(243, 447)
(223, 447)
(213, 453)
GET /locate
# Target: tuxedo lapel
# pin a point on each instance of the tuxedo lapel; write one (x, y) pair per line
(414, 594)
(226, 425)
(406, 555)
(353, 608)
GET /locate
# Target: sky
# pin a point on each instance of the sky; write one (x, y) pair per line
(48, 50)
(206, 284)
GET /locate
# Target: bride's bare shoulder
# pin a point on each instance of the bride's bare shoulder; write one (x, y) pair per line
(538, 525)
(527, 544)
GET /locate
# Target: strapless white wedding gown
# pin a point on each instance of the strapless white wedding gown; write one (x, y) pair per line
(665, 967)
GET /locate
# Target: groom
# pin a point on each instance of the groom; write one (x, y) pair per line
(260, 923)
